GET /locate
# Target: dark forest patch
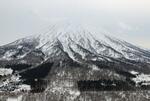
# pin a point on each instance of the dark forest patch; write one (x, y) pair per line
(104, 85)
(18, 67)
(37, 85)
(145, 87)
(38, 72)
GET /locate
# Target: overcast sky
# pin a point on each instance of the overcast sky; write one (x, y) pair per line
(126, 19)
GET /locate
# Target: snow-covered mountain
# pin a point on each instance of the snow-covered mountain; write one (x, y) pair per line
(77, 40)
(84, 42)
(75, 53)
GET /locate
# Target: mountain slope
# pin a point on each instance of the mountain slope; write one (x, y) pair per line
(66, 58)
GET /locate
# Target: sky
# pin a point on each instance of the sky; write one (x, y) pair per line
(125, 19)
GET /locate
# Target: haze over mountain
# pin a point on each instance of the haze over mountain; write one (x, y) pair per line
(126, 19)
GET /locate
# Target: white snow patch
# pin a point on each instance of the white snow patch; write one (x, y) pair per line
(4, 83)
(134, 72)
(95, 68)
(19, 47)
(21, 56)
(23, 87)
(23, 61)
(5, 71)
(15, 78)
(142, 78)
(8, 55)
(19, 98)
(12, 79)
(146, 83)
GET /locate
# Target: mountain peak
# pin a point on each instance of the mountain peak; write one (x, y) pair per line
(82, 40)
